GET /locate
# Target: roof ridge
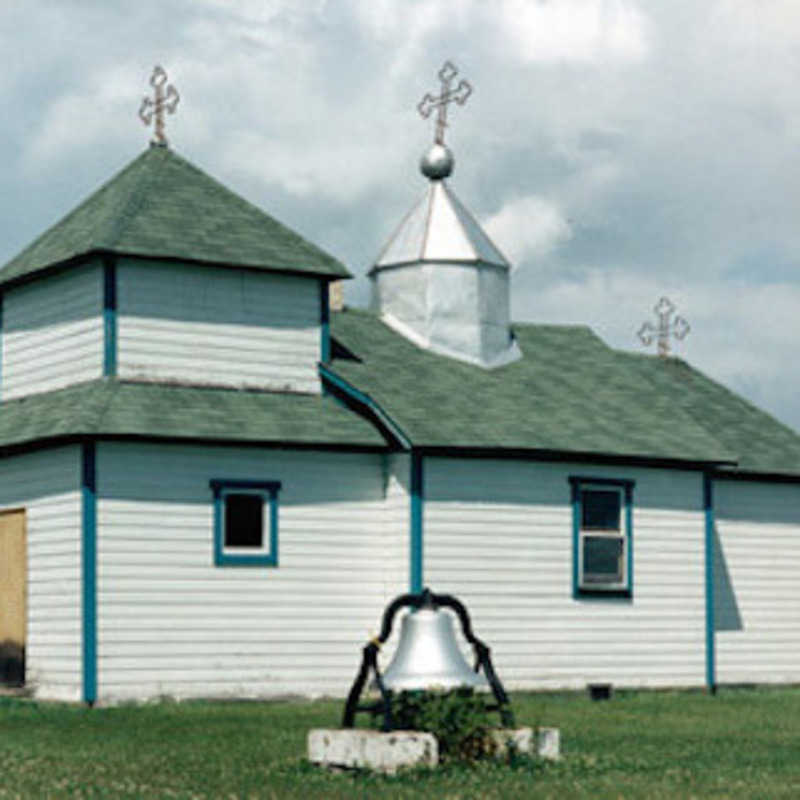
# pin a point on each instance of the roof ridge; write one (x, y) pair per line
(454, 199)
(137, 197)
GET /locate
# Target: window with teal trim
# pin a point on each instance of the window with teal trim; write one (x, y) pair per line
(245, 522)
(602, 522)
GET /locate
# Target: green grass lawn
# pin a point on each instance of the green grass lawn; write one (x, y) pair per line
(743, 743)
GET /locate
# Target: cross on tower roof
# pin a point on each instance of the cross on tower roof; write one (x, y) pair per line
(460, 94)
(678, 327)
(166, 99)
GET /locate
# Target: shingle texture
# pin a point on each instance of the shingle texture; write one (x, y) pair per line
(569, 393)
(118, 408)
(161, 206)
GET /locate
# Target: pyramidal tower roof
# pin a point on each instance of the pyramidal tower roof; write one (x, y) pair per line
(162, 206)
(440, 228)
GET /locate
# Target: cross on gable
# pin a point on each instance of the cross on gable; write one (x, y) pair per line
(166, 99)
(665, 328)
(429, 102)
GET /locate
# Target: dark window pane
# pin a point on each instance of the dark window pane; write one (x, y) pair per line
(602, 559)
(244, 520)
(600, 509)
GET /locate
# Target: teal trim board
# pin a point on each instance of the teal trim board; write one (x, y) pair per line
(417, 507)
(711, 655)
(109, 317)
(367, 403)
(260, 557)
(325, 322)
(576, 529)
(89, 570)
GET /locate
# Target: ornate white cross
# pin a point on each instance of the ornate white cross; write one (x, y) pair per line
(460, 94)
(678, 327)
(166, 99)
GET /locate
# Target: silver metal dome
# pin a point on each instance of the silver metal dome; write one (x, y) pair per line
(428, 656)
(437, 163)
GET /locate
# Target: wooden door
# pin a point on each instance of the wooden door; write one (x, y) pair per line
(13, 585)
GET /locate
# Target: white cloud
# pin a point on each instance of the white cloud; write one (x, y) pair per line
(527, 227)
(575, 30)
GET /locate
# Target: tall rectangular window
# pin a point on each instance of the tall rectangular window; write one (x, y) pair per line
(602, 535)
(245, 522)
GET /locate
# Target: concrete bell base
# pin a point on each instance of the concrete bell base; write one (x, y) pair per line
(364, 749)
(349, 748)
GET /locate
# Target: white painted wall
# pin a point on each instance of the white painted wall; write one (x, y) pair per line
(46, 484)
(757, 597)
(498, 535)
(53, 332)
(219, 326)
(170, 622)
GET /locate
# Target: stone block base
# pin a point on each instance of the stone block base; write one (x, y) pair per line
(349, 748)
(365, 749)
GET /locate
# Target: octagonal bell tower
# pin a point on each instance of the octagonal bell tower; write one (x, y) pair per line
(440, 281)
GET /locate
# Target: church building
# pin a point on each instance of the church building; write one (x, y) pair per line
(212, 481)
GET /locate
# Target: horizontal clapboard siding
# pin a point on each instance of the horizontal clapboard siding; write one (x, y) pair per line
(170, 622)
(208, 325)
(46, 485)
(757, 565)
(498, 535)
(53, 332)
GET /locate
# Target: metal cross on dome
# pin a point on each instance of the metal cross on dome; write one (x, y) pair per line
(166, 99)
(460, 94)
(678, 327)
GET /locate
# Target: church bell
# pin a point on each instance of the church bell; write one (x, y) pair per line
(428, 656)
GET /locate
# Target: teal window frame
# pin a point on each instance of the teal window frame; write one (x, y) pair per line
(580, 484)
(240, 557)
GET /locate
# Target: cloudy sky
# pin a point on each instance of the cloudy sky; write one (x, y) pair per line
(617, 151)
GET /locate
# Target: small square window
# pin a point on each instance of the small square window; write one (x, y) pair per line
(602, 513)
(245, 522)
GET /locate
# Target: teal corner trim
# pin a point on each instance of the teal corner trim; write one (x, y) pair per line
(109, 317)
(220, 487)
(367, 402)
(576, 525)
(325, 322)
(626, 485)
(417, 507)
(89, 570)
(711, 654)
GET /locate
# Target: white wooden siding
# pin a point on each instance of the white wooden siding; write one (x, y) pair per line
(498, 535)
(46, 484)
(757, 599)
(170, 622)
(209, 325)
(53, 332)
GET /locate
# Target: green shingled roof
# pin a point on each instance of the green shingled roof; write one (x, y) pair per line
(119, 408)
(161, 206)
(569, 393)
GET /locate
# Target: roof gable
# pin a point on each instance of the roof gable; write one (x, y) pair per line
(162, 206)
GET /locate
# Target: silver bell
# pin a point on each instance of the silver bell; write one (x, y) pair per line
(428, 655)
